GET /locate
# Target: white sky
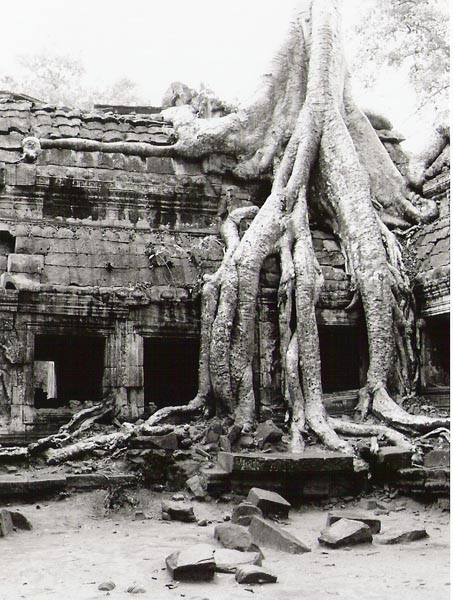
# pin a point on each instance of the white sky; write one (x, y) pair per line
(224, 45)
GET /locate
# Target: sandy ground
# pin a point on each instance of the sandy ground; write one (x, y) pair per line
(74, 547)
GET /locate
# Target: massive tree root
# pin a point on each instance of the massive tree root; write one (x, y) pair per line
(325, 158)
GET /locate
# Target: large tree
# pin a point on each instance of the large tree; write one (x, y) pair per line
(325, 159)
(304, 131)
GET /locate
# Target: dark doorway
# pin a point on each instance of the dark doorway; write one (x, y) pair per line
(79, 365)
(437, 351)
(171, 371)
(340, 358)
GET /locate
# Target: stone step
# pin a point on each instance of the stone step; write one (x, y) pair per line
(422, 480)
(297, 477)
(26, 487)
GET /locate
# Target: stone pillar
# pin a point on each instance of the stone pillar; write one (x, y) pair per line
(123, 371)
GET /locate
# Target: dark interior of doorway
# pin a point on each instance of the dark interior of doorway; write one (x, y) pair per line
(170, 370)
(340, 358)
(79, 365)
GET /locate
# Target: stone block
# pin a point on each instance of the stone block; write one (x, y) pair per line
(6, 523)
(268, 432)
(158, 442)
(254, 574)
(234, 537)
(20, 521)
(244, 512)
(437, 458)
(269, 535)
(195, 563)
(391, 458)
(178, 511)
(228, 561)
(373, 523)
(402, 537)
(270, 503)
(287, 463)
(345, 532)
(25, 263)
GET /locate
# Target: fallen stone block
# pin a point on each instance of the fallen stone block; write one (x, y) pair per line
(195, 485)
(234, 537)
(268, 433)
(6, 523)
(254, 574)
(178, 511)
(269, 535)
(228, 561)
(195, 563)
(243, 513)
(373, 523)
(20, 521)
(345, 532)
(270, 503)
(402, 537)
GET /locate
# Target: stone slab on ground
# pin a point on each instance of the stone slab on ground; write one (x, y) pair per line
(268, 535)
(234, 537)
(6, 523)
(254, 574)
(402, 537)
(228, 561)
(345, 532)
(373, 523)
(178, 511)
(307, 462)
(195, 563)
(270, 503)
(242, 513)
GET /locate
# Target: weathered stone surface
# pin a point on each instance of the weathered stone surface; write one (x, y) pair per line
(195, 563)
(307, 462)
(390, 458)
(269, 535)
(345, 532)
(6, 523)
(106, 586)
(437, 458)
(234, 537)
(270, 503)
(228, 561)
(373, 523)
(402, 537)
(268, 432)
(194, 484)
(163, 442)
(242, 513)
(20, 521)
(254, 574)
(178, 511)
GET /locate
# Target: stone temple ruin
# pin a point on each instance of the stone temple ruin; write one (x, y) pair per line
(101, 258)
(102, 254)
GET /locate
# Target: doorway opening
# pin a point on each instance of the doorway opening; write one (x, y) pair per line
(340, 358)
(68, 368)
(171, 371)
